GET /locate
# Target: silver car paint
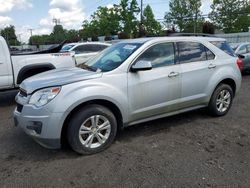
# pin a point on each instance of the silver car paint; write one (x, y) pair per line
(140, 96)
(57, 77)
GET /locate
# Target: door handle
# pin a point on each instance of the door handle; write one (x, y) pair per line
(173, 74)
(211, 66)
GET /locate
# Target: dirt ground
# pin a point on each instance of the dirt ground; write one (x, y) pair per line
(187, 150)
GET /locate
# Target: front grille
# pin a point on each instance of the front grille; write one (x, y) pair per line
(19, 107)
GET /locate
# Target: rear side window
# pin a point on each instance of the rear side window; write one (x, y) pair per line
(248, 48)
(100, 47)
(242, 50)
(82, 49)
(94, 48)
(223, 45)
(191, 52)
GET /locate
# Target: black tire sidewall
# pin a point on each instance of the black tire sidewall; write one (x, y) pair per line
(212, 104)
(76, 122)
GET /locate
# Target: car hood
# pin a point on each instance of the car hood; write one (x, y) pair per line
(57, 77)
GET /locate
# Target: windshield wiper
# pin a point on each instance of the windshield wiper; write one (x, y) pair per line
(87, 67)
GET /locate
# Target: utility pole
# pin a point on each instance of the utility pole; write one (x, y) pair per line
(141, 11)
(141, 21)
(20, 39)
(31, 30)
(196, 17)
(56, 21)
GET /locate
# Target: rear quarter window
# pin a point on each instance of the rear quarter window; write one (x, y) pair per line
(224, 46)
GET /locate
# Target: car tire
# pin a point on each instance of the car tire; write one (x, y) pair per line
(92, 129)
(221, 100)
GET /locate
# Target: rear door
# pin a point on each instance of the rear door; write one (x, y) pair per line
(156, 91)
(6, 78)
(197, 66)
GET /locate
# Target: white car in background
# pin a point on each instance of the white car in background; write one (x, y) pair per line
(85, 51)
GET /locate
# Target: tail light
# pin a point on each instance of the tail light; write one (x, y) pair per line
(240, 64)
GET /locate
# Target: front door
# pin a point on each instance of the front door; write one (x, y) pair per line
(156, 91)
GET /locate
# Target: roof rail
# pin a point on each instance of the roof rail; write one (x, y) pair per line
(191, 35)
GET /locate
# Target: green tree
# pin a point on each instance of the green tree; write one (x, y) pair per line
(196, 20)
(40, 40)
(178, 14)
(107, 20)
(10, 35)
(230, 15)
(243, 21)
(58, 34)
(185, 15)
(151, 26)
(90, 30)
(208, 28)
(73, 35)
(128, 10)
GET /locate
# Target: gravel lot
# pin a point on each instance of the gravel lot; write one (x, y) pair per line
(188, 150)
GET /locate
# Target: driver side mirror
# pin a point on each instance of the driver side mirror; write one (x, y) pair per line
(141, 66)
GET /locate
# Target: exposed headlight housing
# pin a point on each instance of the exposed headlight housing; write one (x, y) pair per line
(44, 96)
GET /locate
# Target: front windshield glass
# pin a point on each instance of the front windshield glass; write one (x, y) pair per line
(112, 57)
(67, 47)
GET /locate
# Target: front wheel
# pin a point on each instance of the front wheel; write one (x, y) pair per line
(221, 100)
(92, 129)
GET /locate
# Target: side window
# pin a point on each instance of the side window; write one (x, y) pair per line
(248, 48)
(94, 48)
(191, 52)
(159, 55)
(210, 55)
(102, 47)
(81, 49)
(242, 50)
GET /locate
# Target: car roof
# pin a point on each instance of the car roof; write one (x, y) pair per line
(83, 43)
(156, 39)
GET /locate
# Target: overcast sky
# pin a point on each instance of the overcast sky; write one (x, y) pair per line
(38, 14)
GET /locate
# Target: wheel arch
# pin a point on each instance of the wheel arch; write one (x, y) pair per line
(230, 82)
(31, 70)
(108, 104)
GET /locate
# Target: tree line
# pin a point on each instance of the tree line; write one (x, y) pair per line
(124, 20)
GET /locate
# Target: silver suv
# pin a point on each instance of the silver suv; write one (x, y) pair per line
(128, 83)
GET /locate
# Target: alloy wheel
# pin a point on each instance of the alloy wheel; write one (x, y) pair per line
(95, 131)
(223, 101)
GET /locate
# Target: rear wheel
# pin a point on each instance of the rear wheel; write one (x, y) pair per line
(221, 100)
(92, 129)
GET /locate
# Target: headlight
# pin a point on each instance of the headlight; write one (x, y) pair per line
(44, 96)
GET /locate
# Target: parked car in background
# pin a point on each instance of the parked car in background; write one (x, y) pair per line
(243, 51)
(131, 82)
(85, 51)
(14, 49)
(14, 68)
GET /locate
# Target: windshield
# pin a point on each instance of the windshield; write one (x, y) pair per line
(112, 57)
(67, 47)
